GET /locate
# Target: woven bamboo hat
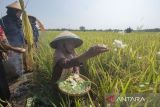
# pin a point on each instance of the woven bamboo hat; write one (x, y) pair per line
(66, 36)
(15, 5)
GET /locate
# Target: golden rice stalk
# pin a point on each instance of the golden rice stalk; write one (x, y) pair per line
(28, 33)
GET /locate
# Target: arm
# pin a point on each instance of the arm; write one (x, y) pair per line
(9, 47)
(93, 51)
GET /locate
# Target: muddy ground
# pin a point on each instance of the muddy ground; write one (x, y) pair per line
(20, 89)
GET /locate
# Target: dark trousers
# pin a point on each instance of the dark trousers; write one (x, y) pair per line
(4, 88)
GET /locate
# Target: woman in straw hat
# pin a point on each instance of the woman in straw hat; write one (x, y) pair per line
(12, 25)
(4, 47)
(66, 59)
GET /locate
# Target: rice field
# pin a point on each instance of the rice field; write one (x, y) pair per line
(133, 69)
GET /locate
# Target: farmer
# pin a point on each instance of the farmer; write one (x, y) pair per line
(12, 25)
(66, 59)
(34, 21)
(4, 47)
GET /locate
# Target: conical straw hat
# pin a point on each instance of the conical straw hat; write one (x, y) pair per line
(66, 36)
(15, 5)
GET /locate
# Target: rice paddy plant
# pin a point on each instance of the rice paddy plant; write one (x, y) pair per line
(134, 69)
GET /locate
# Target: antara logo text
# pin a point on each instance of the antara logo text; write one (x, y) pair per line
(113, 99)
(130, 99)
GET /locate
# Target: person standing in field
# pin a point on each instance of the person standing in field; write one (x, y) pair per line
(4, 47)
(34, 22)
(65, 58)
(12, 25)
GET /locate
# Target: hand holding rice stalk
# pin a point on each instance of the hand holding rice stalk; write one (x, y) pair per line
(27, 29)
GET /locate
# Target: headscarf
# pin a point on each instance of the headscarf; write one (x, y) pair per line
(11, 12)
(32, 20)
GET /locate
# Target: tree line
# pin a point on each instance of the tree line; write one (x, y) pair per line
(127, 30)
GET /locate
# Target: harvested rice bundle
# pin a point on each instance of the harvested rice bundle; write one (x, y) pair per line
(27, 29)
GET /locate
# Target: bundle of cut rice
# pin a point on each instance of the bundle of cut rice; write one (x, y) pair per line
(28, 33)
